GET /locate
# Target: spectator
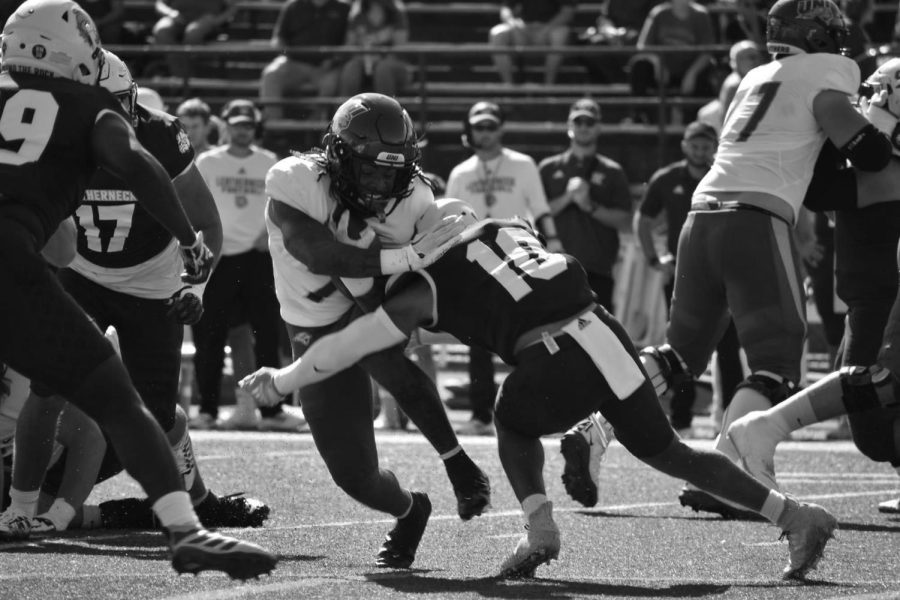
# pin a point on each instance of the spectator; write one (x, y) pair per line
(497, 182)
(243, 279)
(532, 23)
(669, 192)
(189, 22)
(742, 57)
(678, 24)
(589, 199)
(194, 115)
(304, 23)
(109, 16)
(376, 24)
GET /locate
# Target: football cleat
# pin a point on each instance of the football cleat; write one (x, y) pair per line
(701, 501)
(470, 485)
(42, 525)
(807, 527)
(754, 440)
(540, 545)
(400, 544)
(583, 448)
(231, 511)
(199, 550)
(891, 507)
(14, 526)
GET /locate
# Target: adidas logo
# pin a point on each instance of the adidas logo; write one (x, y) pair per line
(582, 323)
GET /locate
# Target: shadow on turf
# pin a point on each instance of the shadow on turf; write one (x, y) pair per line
(495, 587)
(142, 545)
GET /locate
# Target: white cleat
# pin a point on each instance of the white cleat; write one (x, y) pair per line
(807, 527)
(583, 448)
(755, 440)
(540, 545)
(14, 526)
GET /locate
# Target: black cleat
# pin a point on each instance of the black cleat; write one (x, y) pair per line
(201, 550)
(233, 510)
(701, 501)
(400, 544)
(471, 486)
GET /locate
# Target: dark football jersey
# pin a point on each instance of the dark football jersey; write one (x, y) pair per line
(114, 230)
(503, 283)
(46, 157)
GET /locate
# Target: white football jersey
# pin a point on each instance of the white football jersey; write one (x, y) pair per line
(304, 296)
(770, 140)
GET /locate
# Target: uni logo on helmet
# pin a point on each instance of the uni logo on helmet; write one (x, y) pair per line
(389, 159)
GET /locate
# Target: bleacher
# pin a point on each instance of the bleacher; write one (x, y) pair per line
(451, 67)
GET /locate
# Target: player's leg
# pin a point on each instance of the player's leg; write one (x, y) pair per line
(418, 396)
(48, 338)
(338, 411)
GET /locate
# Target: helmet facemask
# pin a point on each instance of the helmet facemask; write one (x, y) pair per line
(115, 77)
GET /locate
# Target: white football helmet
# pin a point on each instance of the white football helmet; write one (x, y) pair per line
(115, 77)
(887, 79)
(52, 37)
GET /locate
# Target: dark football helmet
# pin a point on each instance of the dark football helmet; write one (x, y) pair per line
(371, 129)
(805, 26)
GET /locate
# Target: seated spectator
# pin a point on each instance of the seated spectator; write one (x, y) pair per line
(189, 22)
(109, 17)
(679, 24)
(742, 57)
(304, 23)
(376, 24)
(532, 23)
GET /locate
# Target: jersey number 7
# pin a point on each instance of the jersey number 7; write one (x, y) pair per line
(765, 93)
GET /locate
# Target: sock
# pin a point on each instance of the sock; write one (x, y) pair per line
(90, 516)
(532, 503)
(406, 512)
(820, 401)
(773, 506)
(174, 511)
(61, 514)
(24, 502)
(451, 453)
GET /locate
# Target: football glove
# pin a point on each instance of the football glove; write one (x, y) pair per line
(186, 305)
(198, 261)
(261, 385)
(425, 250)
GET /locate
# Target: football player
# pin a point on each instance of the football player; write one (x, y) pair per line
(59, 126)
(127, 277)
(502, 290)
(736, 254)
(866, 255)
(350, 211)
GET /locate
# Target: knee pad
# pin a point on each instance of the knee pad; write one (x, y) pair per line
(867, 388)
(666, 370)
(774, 388)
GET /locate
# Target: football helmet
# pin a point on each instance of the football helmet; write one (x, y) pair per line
(115, 77)
(805, 26)
(52, 37)
(370, 129)
(887, 79)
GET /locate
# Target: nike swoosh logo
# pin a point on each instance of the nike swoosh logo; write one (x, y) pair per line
(318, 370)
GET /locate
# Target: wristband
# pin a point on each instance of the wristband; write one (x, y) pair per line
(398, 260)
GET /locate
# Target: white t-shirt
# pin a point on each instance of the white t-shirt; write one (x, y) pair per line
(770, 140)
(504, 187)
(301, 184)
(238, 185)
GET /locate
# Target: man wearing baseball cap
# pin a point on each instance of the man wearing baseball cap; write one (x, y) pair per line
(243, 282)
(589, 199)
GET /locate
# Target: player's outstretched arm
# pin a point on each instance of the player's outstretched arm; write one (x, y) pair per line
(856, 138)
(389, 325)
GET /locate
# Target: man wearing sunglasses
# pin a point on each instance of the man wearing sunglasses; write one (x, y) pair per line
(501, 183)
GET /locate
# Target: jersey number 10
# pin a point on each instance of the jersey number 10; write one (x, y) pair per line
(523, 257)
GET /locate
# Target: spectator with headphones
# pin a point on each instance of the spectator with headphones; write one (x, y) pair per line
(243, 282)
(497, 182)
